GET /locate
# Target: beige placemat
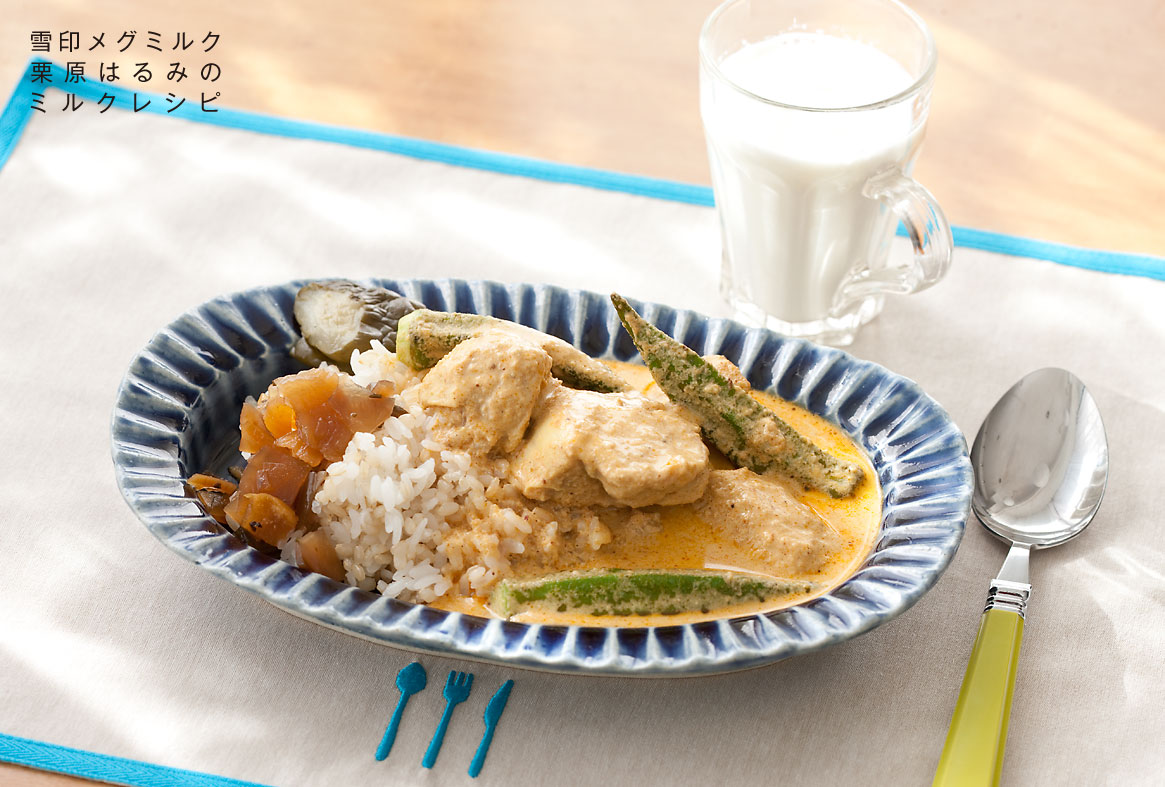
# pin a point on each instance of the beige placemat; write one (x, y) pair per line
(113, 224)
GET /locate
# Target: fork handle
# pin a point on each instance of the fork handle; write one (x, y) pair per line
(973, 754)
(438, 738)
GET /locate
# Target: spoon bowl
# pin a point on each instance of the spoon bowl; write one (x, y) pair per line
(1040, 461)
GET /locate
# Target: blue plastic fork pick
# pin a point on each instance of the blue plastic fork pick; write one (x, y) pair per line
(457, 688)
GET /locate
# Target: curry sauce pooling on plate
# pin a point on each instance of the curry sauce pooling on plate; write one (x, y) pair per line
(481, 466)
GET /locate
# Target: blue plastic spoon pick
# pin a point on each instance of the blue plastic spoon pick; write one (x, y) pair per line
(409, 680)
(493, 712)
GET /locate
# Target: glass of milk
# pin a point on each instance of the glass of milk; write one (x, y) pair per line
(814, 112)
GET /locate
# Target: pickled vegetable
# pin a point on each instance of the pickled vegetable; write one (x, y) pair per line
(313, 415)
(366, 409)
(274, 471)
(307, 518)
(263, 515)
(338, 317)
(200, 481)
(213, 494)
(302, 422)
(317, 554)
(255, 434)
(318, 426)
(310, 356)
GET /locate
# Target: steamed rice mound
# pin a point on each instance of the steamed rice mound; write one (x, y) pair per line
(414, 519)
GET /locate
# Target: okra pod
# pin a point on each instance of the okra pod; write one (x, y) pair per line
(425, 337)
(744, 430)
(635, 593)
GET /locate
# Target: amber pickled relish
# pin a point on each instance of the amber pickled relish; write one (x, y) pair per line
(213, 494)
(263, 515)
(318, 555)
(275, 471)
(303, 422)
(313, 415)
(255, 434)
(365, 409)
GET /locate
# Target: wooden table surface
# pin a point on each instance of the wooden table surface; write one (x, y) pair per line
(1048, 118)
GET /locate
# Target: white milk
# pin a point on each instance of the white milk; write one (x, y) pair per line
(789, 182)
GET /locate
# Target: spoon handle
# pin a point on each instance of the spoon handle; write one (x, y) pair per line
(973, 754)
(390, 732)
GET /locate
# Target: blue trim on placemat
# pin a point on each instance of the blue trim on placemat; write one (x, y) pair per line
(1077, 257)
(16, 115)
(90, 765)
(104, 767)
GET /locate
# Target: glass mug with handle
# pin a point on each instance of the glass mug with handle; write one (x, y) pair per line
(814, 112)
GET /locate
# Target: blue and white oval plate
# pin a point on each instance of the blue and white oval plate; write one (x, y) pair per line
(177, 414)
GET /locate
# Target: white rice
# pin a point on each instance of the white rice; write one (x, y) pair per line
(413, 519)
(372, 366)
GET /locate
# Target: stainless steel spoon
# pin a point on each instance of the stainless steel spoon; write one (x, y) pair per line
(1041, 465)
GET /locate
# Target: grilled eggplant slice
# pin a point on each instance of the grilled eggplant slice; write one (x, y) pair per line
(338, 317)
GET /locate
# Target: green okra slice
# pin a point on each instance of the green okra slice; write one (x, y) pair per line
(425, 337)
(603, 592)
(744, 430)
